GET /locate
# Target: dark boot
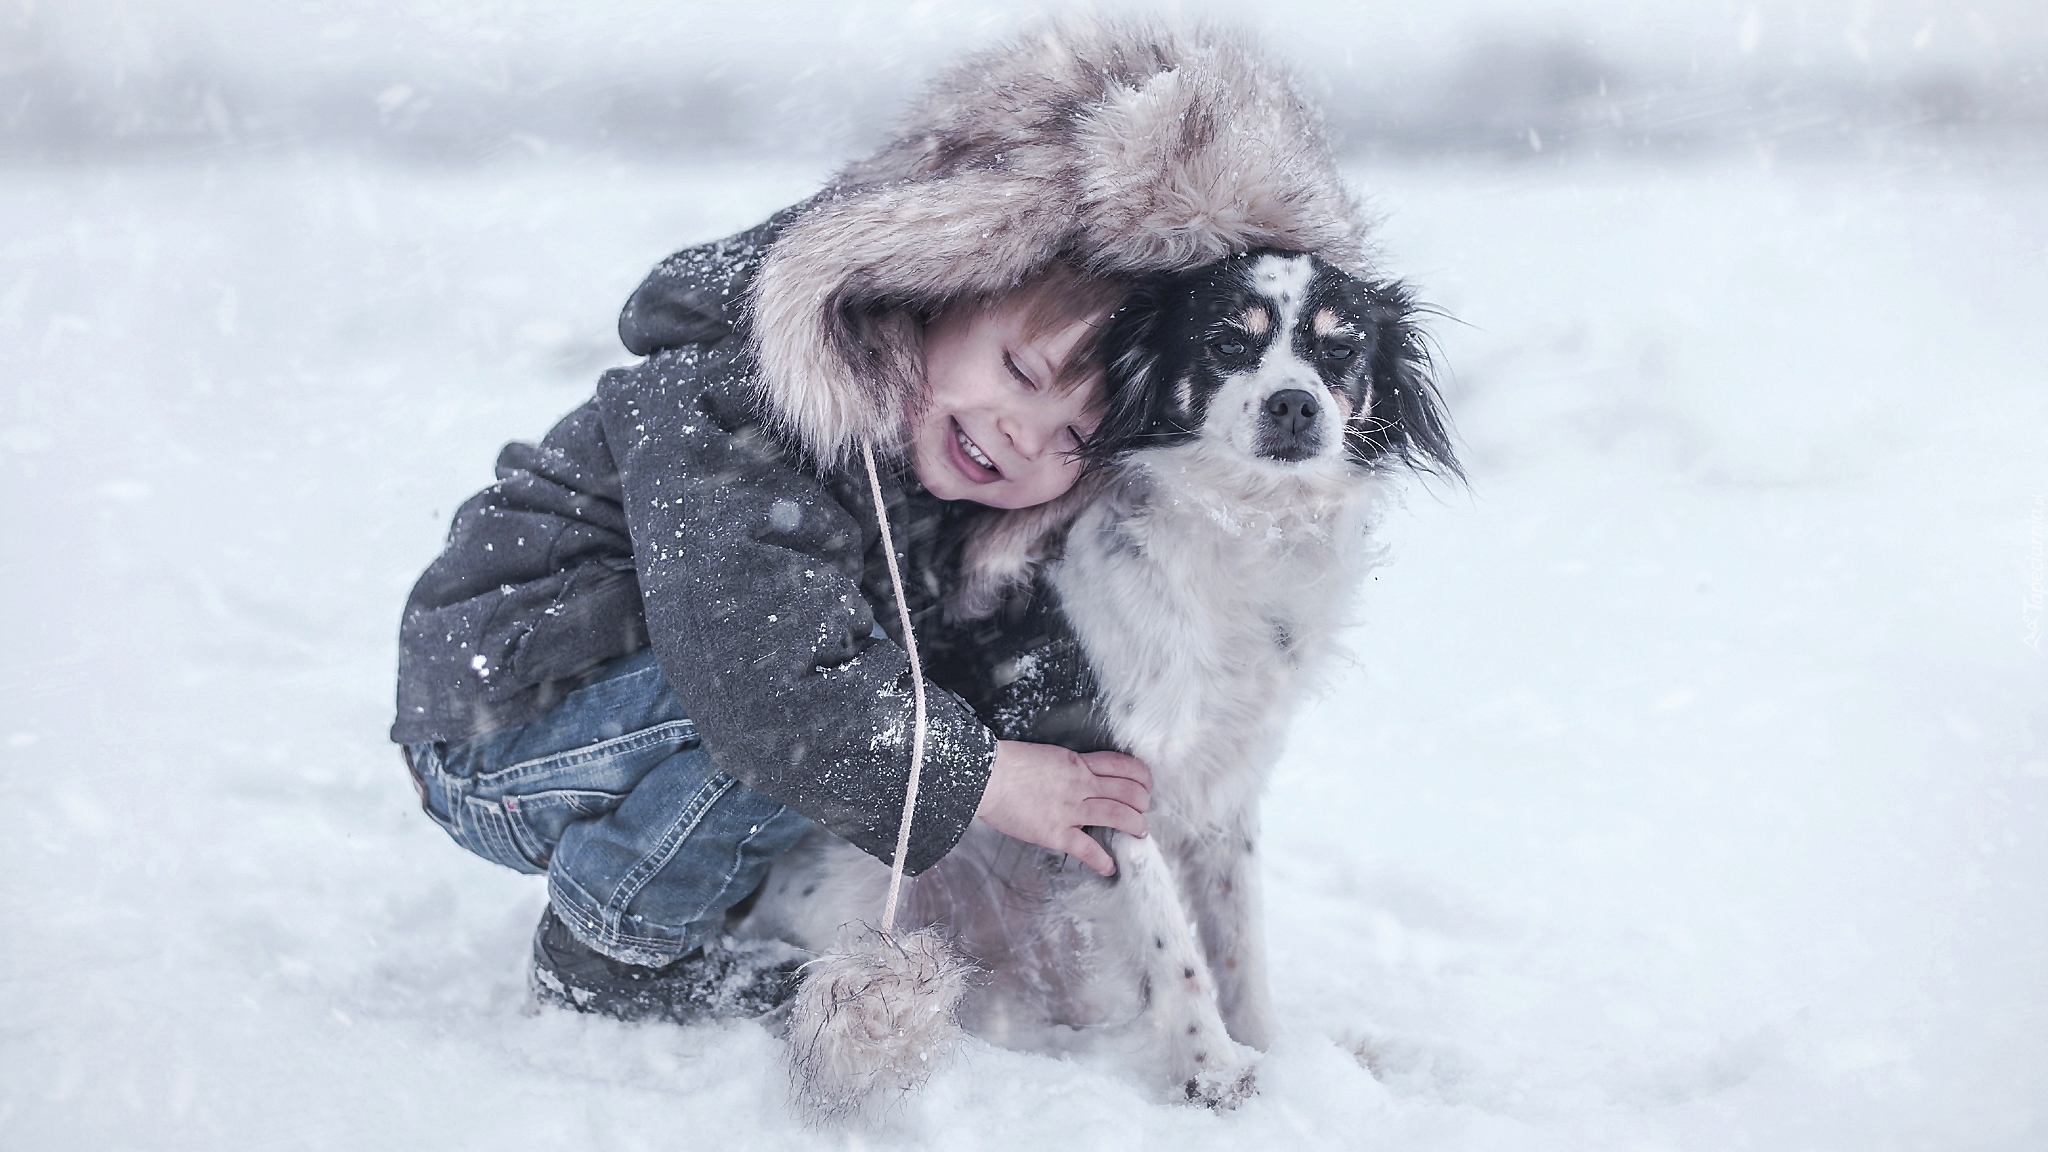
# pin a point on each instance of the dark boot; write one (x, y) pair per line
(712, 981)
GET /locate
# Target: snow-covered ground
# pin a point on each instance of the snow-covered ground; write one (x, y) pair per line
(1687, 791)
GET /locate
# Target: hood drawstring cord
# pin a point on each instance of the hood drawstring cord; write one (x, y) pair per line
(867, 457)
(873, 1015)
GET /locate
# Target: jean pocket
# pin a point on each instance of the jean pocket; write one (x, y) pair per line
(490, 826)
(516, 815)
(486, 828)
(535, 821)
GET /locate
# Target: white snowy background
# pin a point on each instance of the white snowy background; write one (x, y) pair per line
(1686, 791)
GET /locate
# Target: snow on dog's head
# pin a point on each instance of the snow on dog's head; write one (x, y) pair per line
(1277, 364)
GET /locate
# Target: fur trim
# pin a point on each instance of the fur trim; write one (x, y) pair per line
(1128, 146)
(1005, 550)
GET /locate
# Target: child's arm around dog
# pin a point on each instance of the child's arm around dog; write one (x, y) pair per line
(754, 574)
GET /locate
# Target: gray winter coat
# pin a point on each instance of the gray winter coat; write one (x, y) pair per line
(702, 502)
(663, 511)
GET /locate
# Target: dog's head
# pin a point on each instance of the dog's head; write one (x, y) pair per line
(1266, 366)
(1276, 361)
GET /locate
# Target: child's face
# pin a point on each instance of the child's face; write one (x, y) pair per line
(990, 394)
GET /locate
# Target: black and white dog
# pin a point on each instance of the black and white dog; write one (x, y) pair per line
(1175, 608)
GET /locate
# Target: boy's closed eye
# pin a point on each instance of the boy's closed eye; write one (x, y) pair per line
(1010, 362)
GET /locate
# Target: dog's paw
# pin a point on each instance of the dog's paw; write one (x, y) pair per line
(1205, 1066)
(1223, 1089)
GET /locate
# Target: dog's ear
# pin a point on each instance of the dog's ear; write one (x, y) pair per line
(1406, 420)
(1133, 388)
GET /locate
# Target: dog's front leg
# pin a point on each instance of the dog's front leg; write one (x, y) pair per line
(1219, 878)
(1175, 986)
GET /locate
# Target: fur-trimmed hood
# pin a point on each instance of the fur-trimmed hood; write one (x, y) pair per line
(1128, 147)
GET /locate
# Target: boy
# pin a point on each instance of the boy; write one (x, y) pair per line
(601, 778)
(660, 649)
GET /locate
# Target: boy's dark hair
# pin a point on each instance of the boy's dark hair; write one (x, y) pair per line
(1061, 295)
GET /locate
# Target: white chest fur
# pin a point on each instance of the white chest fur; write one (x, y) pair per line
(1203, 615)
(1204, 592)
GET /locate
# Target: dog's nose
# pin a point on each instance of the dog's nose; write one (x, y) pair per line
(1292, 411)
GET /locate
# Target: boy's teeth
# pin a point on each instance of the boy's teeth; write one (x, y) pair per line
(974, 453)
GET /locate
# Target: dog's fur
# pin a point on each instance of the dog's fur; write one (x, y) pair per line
(1203, 573)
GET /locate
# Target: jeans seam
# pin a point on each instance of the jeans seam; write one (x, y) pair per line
(604, 931)
(523, 836)
(617, 745)
(672, 839)
(739, 854)
(573, 797)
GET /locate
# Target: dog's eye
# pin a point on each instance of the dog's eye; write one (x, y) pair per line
(1338, 352)
(1230, 347)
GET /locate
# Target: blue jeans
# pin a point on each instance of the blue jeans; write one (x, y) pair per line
(645, 844)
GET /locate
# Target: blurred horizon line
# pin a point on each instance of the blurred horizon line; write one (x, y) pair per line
(1511, 92)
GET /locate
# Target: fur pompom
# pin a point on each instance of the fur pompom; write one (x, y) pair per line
(874, 1015)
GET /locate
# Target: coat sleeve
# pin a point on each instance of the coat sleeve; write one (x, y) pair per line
(534, 588)
(749, 571)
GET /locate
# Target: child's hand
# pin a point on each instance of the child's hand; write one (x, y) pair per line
(1045, 795)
